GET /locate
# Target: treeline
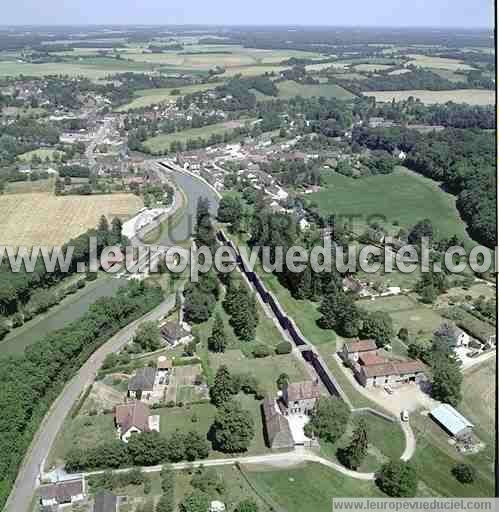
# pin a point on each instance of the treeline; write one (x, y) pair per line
(16, 288)
(414, 79)
(31, 382)
(143, 449)
(450, 115)
(462, 159)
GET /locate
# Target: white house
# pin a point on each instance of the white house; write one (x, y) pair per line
(131, 419)
(62, 492)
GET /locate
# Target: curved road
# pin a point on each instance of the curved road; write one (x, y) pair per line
(21, 496)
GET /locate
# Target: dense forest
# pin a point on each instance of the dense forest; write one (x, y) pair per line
(30, 383)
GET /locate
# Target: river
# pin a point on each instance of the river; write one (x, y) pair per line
(75, 306)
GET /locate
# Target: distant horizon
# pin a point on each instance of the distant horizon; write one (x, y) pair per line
(440, 14)
(252, 25)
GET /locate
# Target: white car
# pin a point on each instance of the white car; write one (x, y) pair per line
(404, 415)
(389, 389)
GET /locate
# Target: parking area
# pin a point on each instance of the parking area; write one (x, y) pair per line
(470, 357)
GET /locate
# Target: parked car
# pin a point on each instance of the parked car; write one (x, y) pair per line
(389, 389)
(404, 415)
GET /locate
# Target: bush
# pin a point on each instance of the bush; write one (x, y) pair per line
(284, 347)
(261, 351)
(464, 473)
(403, 334)
(398, 479)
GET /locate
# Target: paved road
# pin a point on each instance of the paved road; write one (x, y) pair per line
(297, 456)
(21, 496)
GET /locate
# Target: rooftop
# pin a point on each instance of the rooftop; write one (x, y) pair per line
(360, 346)
(303, 390)
(452, 420)
(135, 414)
(143, 380)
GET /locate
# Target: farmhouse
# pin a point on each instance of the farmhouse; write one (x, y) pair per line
(452, 421)
(105, 501)
(390, 372)
(278, 432)
(141, 385)
(131, 419)
(62, 493)
(174, 333)
(351, 351)
(300, 397)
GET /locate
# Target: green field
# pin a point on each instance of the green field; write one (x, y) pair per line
(308, 487)
(402, 196)
(148, 97)
(290, 89)
(435, 457)
(266, 370)
(162, 143)
(42, 153)
(419, 320)
(90, 68)
(386, 441)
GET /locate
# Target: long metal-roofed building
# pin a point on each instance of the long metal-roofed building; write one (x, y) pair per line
(452, 421)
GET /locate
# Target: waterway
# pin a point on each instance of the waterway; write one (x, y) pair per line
(75, 306)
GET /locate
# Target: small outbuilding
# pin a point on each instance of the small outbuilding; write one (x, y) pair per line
(105, 501)
(452, 421)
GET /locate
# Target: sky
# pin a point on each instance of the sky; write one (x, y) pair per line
(393, 13)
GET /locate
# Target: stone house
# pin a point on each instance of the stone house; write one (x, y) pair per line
(277, 430)
(141, 385)
(352, 350)
(62, 493)
(300, 397)
(393, 373)
(131, 419)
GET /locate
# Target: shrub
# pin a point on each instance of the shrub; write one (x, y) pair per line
(261, 351)
(464, 473)
(284, 347)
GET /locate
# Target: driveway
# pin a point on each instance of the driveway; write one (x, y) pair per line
(27, 479)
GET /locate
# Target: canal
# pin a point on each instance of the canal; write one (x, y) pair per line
(75, 306)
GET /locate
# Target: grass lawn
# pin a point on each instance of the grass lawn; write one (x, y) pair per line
(42, 153)
(29, 187)
(386, 441)
(266, 370)
(162, 142)
(402, 196)
(182, 418)
(307, 487)
(290, 89)
(419, 320)
(304, 312)
(82, 432)
(479, 399)
(147, 97)
(471, 96)
(435, 458)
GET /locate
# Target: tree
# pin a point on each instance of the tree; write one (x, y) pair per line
(378, 326)
(116, 229)
(103, 231)
(223, 387)
(340, 313)
(403, 334)
(166, 502)
(284, 347)
(282, 380)
(175, 447)
(233, 428)
(398, 479)
(198, 306)
(217, 342)
(148, 336)
(197, 501)
(248, 505)
(447, 378)
(354, 454)
(464, 473)
(147, 449)
(423, 228)
(244, 315)
(329, 419)
(230, 210)
(196, 446)
(208, 481)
